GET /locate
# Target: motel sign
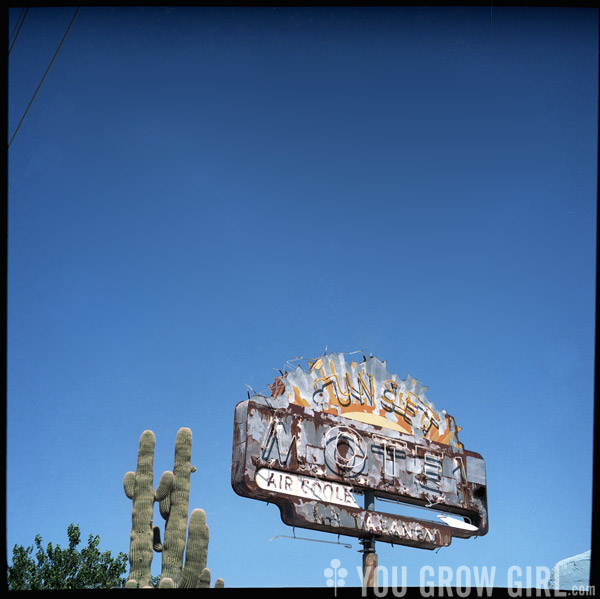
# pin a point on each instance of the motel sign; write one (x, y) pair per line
(343, 430)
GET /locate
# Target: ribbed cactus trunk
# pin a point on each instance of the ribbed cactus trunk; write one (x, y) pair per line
(139, 487)
(196, 551)
(175, 507)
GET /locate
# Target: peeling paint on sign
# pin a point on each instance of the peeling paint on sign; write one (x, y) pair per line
(339, 430)
(367, 392)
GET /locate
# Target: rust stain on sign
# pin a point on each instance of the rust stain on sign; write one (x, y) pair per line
(324, 436)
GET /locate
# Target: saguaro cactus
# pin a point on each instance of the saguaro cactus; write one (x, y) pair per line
(173, 496)
(174, 508)
(138, 487)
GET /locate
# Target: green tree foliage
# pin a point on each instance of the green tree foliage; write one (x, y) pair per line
(56, 568)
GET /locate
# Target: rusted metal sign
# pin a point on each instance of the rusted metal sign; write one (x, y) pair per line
(341, 430)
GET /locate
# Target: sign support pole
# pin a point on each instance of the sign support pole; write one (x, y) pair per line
(369, 554)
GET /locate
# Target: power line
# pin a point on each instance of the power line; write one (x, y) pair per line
(44, 77)
(20, 22)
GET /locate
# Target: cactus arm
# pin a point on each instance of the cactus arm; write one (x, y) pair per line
(204, 579)
(164, 486)
(165, 507)
(156, 543)
(129, 484)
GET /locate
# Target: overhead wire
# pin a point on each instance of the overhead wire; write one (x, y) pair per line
(18, 26)
(44, 77)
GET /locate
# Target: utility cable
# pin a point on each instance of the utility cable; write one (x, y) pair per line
(20, 22)
(44, 77)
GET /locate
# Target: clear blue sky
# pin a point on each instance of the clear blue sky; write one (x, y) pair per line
(199, 194)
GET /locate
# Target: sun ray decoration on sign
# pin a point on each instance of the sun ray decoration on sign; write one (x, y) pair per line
(367, 392)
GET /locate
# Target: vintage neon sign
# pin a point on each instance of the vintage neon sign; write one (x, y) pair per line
(344, 429)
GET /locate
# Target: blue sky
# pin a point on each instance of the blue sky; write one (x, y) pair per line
(198, 195)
